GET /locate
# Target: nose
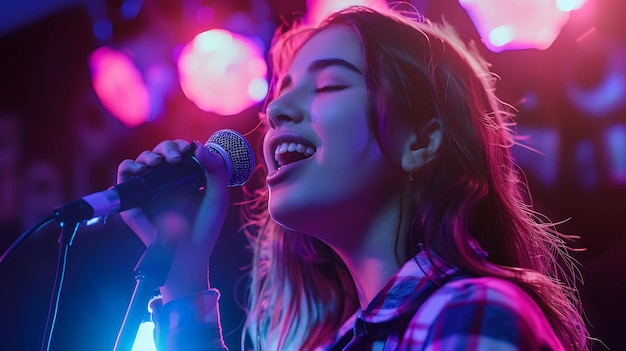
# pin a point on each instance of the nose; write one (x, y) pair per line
(283, 110)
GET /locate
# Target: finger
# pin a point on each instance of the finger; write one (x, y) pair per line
(150, 158)
(172, 150)
(129, 168)
(212, 162)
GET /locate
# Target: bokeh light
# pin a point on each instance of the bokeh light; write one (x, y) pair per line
(539, 154)
(569, 5)
(596, 85)
(317, 10)
(518, 24)
(586, 166)
(119, 85)
(223, 72)
(615, 141)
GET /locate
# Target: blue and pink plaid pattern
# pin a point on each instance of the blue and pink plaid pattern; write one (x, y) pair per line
(427, 305)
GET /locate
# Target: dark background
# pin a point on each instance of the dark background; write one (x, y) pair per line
(69, 146)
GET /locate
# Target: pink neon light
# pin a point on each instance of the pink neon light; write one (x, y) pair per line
(223, 72)
(519, 24)
(119, 85)
(317, 10)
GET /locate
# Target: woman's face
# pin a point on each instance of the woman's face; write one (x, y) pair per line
(325, 166)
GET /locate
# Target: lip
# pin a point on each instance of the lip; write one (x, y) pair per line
(275, 176)
(278, 175)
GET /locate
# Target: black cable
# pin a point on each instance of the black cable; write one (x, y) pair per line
(24, 236)
(65, 241)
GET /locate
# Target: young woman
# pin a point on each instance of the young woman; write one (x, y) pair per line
(393, 217)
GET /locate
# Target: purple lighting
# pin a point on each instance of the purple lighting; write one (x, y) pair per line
(615, 142)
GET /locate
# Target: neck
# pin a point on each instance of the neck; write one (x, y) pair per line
(377, 254)
(370, 274)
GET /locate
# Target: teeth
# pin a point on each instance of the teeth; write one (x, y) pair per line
(294, 147)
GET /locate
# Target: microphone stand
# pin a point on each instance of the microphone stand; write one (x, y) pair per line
(65, 241)
(150, 273)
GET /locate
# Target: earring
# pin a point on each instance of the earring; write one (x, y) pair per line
(410, 175)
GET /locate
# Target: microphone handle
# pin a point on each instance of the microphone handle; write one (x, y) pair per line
(187, 175)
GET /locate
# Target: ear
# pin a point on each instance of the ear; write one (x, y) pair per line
(421, 146)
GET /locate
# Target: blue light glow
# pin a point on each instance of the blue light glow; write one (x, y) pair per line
(539, 158)
(102, 29)
(615, 141)
(602, 99)
(130, 9)
(145, 338)
(586, 165)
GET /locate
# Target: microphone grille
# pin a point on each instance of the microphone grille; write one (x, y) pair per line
(239, 153)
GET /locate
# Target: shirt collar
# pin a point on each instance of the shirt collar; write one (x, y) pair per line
(399, 295)
(414, 278)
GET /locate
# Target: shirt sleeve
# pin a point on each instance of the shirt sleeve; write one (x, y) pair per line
(191, 323)
(480, 314)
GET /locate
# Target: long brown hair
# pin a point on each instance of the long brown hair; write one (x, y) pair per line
(471, 197)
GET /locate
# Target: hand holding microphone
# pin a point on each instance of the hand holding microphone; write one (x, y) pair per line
(182, 175)
(171, 153)
(175, 198)
(193, 220)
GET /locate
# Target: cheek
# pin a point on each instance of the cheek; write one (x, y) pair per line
(344, 120)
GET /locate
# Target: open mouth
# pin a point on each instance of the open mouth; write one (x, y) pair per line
(290, 152)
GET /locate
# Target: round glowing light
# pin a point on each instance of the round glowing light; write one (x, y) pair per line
(501, 35)
(257, 89)
(569, 5)
(213, 40)
(131, 8)
(222, 72)
(102, 29)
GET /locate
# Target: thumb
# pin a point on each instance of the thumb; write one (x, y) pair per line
(214, 164)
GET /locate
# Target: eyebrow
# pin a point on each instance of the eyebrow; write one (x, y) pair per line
(319, 65)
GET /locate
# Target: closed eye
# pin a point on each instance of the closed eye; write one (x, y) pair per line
(328, 88)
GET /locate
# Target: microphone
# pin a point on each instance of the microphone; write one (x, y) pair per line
(185, 176)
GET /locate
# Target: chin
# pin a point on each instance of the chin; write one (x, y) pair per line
(283, 216)
(296, 219)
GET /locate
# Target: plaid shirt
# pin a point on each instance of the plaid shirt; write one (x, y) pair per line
(422, 309)
(416, 310)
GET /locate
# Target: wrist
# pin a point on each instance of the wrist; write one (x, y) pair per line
(186, 276)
